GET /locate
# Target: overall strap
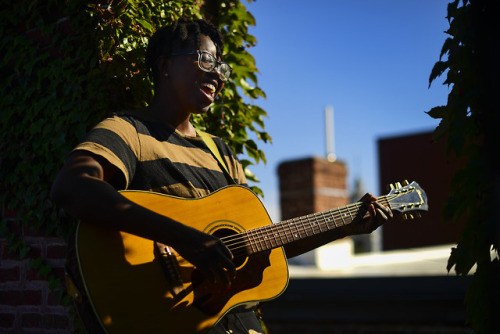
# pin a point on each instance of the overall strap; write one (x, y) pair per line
(215, 152)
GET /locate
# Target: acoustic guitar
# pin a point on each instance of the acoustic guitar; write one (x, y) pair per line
(132, 289)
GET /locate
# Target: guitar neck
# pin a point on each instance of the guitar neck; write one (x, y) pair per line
(288, 231)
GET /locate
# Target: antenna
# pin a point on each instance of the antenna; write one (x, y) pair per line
(329, 131)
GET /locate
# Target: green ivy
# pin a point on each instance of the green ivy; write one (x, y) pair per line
(468, 124)
(68, 64)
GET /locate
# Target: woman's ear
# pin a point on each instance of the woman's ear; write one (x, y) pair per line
(162, 66)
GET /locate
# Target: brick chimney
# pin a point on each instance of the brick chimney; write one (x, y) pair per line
(311, 185)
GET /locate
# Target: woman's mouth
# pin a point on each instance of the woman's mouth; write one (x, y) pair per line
(209, 90)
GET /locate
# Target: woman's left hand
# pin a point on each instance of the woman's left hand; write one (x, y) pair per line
(379, 214)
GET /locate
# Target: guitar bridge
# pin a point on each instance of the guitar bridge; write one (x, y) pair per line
(170, 266)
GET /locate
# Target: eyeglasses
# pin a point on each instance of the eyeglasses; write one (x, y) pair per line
(207, 63)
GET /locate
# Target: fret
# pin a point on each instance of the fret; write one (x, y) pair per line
(267, 241)
(333, 218)
(303, 226)
(343, 221)
(325, 220)
(316, 223)
(311, 225)
(330, 218)
(283, 237)
(248, 233)
(260, 239)
(286, 235)
(255, 241)
(350, 214)
(278, 241)
(297, 235)
(275, 234)
(268, 238)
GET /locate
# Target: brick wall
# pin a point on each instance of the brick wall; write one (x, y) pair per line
(311, 185)
(27, 304)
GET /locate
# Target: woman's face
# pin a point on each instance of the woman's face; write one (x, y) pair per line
(192, 88)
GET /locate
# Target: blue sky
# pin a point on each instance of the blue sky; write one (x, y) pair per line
(369, 60)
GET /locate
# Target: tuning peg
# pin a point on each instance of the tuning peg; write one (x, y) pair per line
(418, 214)
(410, 216)
(398, 185)
(404, 216)
(405, 183)
(390, 187)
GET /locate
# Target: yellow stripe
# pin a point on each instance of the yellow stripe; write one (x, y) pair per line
(125, 130)
(154, 150)
(107, 154)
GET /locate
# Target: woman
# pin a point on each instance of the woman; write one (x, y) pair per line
(159, 150)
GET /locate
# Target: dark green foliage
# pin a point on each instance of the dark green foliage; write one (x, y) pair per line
(469, 123)
(68, 64)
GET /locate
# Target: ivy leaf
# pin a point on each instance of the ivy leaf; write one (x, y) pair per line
(452, 260)
(451, 10)
(59, 89)
(447, 46)
(145, 24)
(437, 112)
(437, 70)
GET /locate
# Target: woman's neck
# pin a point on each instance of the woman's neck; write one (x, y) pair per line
(178, 120)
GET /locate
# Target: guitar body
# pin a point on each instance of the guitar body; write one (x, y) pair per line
(129, 289)
(133, 290)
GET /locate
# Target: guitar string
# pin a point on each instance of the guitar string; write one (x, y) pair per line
(268, 232)
(302, 220)
(241, 249)
(242, 240)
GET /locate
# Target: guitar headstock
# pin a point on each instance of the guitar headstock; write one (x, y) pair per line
(409, 199)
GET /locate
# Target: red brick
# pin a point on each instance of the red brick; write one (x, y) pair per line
(35, 251)
(20, 297)
(7, 320)
(56, 296)
(31, 320)
(55, 321)
(56, 251)
(31, 275)
(53, 298)
(300, 180)
(9, 274)
(6, 254)
(30, 230)
(59, 272)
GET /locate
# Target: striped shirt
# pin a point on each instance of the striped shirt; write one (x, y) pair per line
(154, 157)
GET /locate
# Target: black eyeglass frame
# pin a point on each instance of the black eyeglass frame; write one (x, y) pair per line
(217, 64)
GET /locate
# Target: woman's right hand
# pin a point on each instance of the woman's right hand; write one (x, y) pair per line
(208, 254)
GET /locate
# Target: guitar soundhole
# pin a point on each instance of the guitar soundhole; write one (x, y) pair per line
(237, 246)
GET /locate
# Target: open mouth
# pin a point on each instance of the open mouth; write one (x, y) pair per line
(209, 89)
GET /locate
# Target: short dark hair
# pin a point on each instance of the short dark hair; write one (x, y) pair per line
(177, 37)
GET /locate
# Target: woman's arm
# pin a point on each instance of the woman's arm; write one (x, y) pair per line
(379, 214)
(82, 189)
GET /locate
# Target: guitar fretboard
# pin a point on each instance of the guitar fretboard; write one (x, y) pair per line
(276, 235)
